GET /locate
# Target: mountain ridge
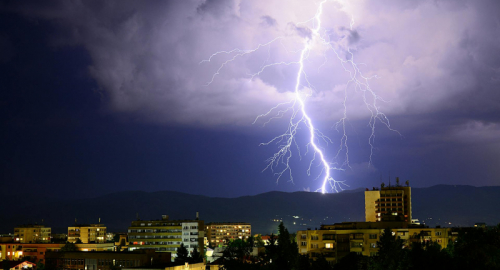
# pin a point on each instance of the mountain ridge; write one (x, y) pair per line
(444, 205)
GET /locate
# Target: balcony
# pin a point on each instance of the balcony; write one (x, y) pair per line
(329, 237)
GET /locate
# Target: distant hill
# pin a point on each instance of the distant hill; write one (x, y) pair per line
(443, 205)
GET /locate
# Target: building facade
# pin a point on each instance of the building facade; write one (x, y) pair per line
(166, 235)
(87, 233)
(218, 233)
(37, 252)
(338, 240)
(391, 203)
(32, 234)
(105, 260)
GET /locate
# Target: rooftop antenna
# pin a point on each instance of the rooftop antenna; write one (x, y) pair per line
(389, 179)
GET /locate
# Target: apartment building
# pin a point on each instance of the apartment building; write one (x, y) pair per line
(387, 207)
(106, 260)
(87, 233)
(165, 235)
(32, 234)
(338, 240)
(218, 233)
(37, 251)
(392, 203)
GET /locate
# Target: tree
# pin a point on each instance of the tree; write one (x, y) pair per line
(238, 249)
(195, 256)
(352, 261)
(78, 241)
(182, 254)
(69, 247)
(287, 254)
(116, 238)
(40, 266)
(320, 264)
(476, 248)
(391, 255)
(259, 242)
(428, 255)
(5, 264)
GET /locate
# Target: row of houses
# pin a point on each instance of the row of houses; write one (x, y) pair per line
(162, 236)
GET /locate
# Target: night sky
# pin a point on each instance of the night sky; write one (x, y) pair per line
(105, 96)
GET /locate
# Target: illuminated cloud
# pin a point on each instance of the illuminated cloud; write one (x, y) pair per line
(429, 56)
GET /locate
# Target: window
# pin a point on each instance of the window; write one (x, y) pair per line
(303, 243)
(303, 236)
(373, 245)
(373, 236)
(356, 244)
(314, 246)
(314, 237)
(329, 245)
(438, 233)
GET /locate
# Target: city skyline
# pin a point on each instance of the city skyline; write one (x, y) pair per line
(111, 97)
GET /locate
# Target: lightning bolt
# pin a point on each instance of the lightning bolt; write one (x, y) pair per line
(297, 106)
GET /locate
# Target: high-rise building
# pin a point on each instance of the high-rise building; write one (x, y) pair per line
(392, 203)
(32, 234)
(166, 235)
(87, 233)
(218, 233)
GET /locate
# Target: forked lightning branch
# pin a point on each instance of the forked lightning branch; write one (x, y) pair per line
(280, 162)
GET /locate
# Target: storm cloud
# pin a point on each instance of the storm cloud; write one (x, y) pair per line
(437, 63)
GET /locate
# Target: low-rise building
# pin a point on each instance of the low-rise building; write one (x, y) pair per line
(106, 260)
(36, 252)
(166, 235)
(32, 234)
(218, 233)
(87, 233)
(338, 240)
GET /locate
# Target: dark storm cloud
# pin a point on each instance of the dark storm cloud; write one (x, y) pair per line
(268, 21)
(437, 62)
(302, 31)
(219, 7)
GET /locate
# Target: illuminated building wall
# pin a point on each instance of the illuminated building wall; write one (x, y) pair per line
(37, 251)
(166, 235)
(219, 232)
(88, 233)
(32, 234)
(391, 203)
(105, 260)
(338, 240)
